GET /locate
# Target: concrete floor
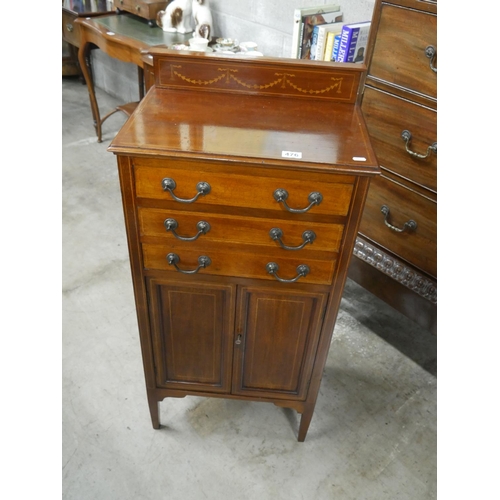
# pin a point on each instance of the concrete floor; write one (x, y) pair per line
(373, 434)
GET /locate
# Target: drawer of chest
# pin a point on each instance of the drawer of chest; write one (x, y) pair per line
(404, 136)
(148, 9)
(176, 225)
(402, 54)
(241, 262)
(176, 185)
(70, 30)
(403, 222)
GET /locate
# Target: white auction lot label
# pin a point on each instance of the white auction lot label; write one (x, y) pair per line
(291, 154)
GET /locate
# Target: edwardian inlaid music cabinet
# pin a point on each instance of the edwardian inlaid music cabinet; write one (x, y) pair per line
(396, 249)
(243, 184)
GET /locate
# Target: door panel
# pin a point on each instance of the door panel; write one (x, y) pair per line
(192, 334)
(279, 331)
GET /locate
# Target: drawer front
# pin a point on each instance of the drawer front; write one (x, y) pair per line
(243, 191)
(241, 261)
(387, 117)
(419, 246)
(399, 55)
(226, 229)
(143, 8)
(70, 30)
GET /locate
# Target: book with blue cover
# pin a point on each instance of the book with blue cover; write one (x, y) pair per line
(353, 41)
(335, 49)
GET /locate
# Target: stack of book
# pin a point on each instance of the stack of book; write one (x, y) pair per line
(320, 34)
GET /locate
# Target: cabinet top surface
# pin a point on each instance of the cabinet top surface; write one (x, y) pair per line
(253, 127)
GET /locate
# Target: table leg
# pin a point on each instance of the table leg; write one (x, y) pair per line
(83, 55)
(140, 75)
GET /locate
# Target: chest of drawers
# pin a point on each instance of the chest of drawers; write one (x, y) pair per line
(396, 249)
(243, 184)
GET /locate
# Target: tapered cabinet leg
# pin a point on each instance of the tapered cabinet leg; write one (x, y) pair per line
(154, 409)
(305, 420)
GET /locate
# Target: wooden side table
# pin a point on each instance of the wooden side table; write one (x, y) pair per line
(72, 10)
(123, 37)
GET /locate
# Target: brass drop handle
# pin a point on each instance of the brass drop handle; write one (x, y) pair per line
(410, 225)
(169, 185)
(69, 27)
(302, 270)
(238, 339)
(137, 8)
(314, 198)
(307, 236)
(431, 53)
(171, 225)
(203, 261)
(406, 136)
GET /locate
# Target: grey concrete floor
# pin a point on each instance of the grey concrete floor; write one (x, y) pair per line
(373, 434)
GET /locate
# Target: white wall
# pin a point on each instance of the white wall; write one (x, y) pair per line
(269, 23)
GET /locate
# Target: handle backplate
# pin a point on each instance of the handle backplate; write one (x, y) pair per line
(203, 261)
(410, 225)
(431, 53)
(276, 234)
(171, 225)
(169, 185)
(302, 270)
(406, 136)
(314, 198)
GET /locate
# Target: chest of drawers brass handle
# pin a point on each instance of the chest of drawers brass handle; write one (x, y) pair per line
(203, 261)
(314, 198)
(431, 52)
(171, 225)
(169, 185)
(302, 270)
(410, 225)
(307, 236)
(406, 136)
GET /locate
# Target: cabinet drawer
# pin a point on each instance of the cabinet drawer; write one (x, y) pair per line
(418, 247)
(70, 30)
(143, 8)
(243, 261)
(387, 117)
(399, 55)
(226, 229)
(243, 191)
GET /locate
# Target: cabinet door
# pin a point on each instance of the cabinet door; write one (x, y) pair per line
(277, 333)
(192, 326)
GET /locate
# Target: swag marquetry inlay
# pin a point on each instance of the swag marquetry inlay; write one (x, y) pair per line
(240, 77)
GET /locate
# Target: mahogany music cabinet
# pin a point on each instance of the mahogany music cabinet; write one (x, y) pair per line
(243, 184)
